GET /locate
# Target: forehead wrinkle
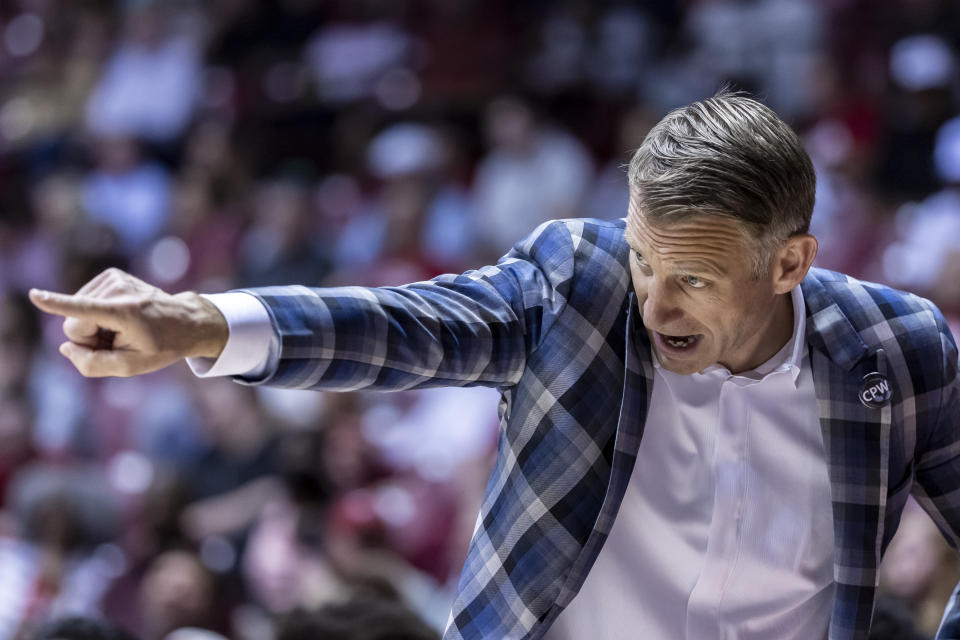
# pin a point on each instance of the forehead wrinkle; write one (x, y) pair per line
(695, 252)
(700, 263)
(687, 234)
(686, 244)
(695, 262)
(690, 260)
(629, 234)
(707, 248)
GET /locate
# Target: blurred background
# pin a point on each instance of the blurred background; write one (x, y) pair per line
(232, 143)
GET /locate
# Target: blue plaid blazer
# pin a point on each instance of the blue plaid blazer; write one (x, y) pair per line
(554, 327)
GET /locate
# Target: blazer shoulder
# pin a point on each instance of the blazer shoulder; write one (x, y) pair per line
(865, 301)
(593, 254)
(877, 312)
(587, 240)
(596, 238)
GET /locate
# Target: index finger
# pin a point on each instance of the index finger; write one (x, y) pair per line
(99, 311)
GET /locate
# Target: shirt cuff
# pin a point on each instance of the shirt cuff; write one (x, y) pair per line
(250, 345)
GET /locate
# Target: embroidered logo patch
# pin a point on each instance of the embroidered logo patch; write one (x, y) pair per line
(875, 390)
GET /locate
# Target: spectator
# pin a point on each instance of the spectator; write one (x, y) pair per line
(151, 83)
(129, 195)
(280, 246)
(16, 431)
(926, 255)
(420, 222)
(350, 58)
(178, 591)
(532, 173)
(610, 195)
(52, 568)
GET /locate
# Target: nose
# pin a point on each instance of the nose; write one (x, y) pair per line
(661, 307)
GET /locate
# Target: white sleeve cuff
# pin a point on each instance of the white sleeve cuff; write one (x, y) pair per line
(250, 346)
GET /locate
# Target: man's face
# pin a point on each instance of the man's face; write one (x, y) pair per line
(698, 295)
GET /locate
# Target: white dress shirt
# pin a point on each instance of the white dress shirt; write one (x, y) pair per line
(726, 528)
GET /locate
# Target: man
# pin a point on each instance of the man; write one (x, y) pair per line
(701, 436)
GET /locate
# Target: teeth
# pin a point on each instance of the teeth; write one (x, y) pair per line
(680, 342)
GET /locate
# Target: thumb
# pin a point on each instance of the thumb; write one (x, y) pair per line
(121, 363)
(96, 363)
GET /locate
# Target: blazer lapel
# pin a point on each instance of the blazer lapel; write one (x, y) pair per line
(637, 390)
(856, 440)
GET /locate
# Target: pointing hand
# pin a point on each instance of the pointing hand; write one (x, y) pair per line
(118, 325)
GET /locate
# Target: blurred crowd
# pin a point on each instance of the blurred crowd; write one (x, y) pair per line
(210, 145)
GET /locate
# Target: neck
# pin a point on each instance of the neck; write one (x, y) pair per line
(773, 335)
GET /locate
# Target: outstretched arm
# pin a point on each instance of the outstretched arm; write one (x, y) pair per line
(455, 330)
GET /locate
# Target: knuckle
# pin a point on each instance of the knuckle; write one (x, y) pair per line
(74, 324)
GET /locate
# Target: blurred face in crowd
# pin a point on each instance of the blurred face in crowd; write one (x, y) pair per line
(701, 300)
(15, 427)
(177, 591)
(281, 210)
(509, 124)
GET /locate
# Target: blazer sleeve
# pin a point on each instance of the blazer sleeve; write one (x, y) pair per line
(937, 471)
(474, 328)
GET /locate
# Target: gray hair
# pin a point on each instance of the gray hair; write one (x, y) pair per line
(727, 155)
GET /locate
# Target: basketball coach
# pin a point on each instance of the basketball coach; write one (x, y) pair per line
(701, 436)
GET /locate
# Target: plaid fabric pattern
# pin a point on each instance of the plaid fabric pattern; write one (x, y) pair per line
(554, 327)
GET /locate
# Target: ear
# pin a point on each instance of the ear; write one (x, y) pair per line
(792, 261)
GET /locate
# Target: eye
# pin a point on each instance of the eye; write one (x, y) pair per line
(642, 263)
(695, 282)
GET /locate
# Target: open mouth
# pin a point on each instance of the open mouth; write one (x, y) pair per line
(677, 345)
